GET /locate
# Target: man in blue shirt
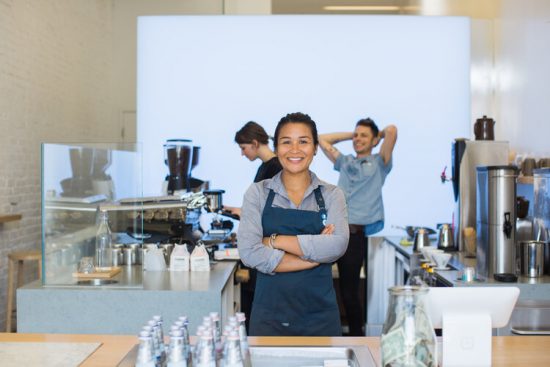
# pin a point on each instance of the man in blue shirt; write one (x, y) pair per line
(361, 178)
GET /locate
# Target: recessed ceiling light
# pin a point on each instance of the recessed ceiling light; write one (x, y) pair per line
(361, 8)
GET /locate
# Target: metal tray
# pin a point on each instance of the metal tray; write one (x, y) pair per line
(356, 356)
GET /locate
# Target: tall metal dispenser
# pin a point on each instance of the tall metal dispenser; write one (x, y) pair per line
(496, 218)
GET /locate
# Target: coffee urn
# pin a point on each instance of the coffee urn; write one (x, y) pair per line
(496, 219)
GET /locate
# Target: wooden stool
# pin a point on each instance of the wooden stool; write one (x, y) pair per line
(19, 257)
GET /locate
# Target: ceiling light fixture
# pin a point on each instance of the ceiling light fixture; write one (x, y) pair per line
(361, 8)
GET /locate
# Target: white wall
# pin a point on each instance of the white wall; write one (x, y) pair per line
(55, 86)
(204, 77)
(522, 75)
(125, 13)
(510, 73)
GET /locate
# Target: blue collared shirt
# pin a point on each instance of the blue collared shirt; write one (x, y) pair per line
(318, 248)
(362, 179)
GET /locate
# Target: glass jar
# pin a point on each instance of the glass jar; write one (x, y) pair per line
(408, 338)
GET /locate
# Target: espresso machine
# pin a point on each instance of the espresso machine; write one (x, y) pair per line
(496, 220)
(466, 156)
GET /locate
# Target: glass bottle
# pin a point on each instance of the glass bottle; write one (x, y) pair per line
(160, 334)
(176, 351)
(245, 350)
(145, 355)
(103, 241)
(206, 355)
(408, 338)
(232, 356)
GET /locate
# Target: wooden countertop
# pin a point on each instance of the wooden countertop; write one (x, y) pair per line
(110, 353)
(508, 351)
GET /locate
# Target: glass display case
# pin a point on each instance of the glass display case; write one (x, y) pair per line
(81, 185)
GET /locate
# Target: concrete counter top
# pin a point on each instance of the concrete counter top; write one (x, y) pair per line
(124, 307)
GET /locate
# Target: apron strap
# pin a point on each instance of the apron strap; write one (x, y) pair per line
(269, 201)
(321, 204)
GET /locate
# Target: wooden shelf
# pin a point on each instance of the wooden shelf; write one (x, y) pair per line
(9, 217)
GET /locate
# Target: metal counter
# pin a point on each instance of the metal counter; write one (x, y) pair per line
(531, 316)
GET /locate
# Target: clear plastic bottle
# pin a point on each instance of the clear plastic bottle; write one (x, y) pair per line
(103, 241)
(408, 338)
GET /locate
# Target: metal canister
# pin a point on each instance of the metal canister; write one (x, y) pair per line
(532, 258)
(117, 256)
(129, 256)
(140, 255)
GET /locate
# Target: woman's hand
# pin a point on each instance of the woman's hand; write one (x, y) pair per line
(232, 210)
(329, 229)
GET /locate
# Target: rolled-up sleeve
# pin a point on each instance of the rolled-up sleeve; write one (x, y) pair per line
(329, 248)
(252, 251)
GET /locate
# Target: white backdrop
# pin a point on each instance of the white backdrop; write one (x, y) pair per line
(203, 77)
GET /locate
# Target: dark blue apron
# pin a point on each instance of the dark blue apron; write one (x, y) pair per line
(301, 302)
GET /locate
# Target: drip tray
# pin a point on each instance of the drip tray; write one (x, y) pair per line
(356, 356)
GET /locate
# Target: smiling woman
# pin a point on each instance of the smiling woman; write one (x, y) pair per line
(296, 142)
(293, 227)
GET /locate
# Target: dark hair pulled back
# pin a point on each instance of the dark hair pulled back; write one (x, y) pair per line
(251, 131)
(297, 118)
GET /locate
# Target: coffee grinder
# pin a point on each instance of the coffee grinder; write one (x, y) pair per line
(178, 156)
(181, 157)
(80, 183)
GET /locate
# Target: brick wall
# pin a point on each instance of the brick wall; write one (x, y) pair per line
(55, 86)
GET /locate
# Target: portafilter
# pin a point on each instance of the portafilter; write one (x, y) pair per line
(214, 202)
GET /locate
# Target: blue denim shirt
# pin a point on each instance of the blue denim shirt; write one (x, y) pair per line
(362, 179)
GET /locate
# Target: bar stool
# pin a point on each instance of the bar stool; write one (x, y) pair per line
(19, 257)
